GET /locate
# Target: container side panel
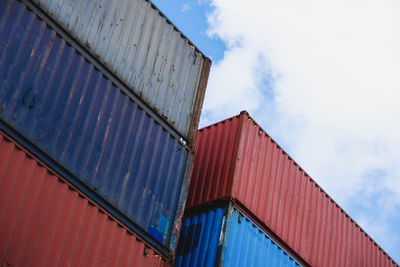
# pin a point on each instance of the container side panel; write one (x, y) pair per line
(57, 100)
(143, 49)
(215, 159)
(46, 222)
(248, 245)
(198, 241)
(272, 187)
(226, 237)
(278, 192)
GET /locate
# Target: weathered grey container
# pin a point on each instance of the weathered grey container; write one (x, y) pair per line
(134, 40)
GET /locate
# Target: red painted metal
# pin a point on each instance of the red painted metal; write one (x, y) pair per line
(44, 221)
(236, 159)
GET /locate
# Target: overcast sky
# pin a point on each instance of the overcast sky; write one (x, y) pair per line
(323, 79)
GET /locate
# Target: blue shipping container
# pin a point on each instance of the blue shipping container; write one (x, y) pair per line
(226, 237)
(56, 99)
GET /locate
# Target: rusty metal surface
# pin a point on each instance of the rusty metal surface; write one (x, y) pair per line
(237, 159)
(144, 49)
(64, 106)
(181, 203)
(44, 221)
(199, 105)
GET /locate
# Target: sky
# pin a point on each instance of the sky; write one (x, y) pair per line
(323, 79)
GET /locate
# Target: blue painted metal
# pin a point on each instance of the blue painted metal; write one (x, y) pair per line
(226, 237)
(63, 105)
(143, 49)
(54, 165)
(198, 240)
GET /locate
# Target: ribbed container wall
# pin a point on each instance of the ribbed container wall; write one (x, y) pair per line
(226, 237)
(57, 100)
(145, 50)
(44, 221)
(198, 239)
(214, 165)
(279, 193)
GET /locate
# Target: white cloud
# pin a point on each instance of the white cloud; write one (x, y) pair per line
(185, 7)
(234, 86)
(333, 100)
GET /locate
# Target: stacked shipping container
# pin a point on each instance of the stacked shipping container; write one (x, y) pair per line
(224, 236)
(110, 96)
(45, 221)
(237, 160)
(127, 146)
(143, 49)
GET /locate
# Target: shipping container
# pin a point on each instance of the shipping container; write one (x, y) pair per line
(45, 221)
(139, 45)
(224, 236)
(65, 107)
(236, 159)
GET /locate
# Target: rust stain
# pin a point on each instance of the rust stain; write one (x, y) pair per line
(133, 41)
(205, 73)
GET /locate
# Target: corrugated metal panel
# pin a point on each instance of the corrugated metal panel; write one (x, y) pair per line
(226, 237)
(44, 221)
(51, 95)
(276, 190)
(198, 240)
(144, 49)
(215, 152)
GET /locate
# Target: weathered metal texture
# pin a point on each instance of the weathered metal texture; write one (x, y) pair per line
(144, 49)
(57, 100)
(226, 237)
(236, 159)
(44, 221)
(215, 152)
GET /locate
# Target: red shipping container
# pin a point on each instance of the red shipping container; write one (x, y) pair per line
(44, 221)
(237, 160)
